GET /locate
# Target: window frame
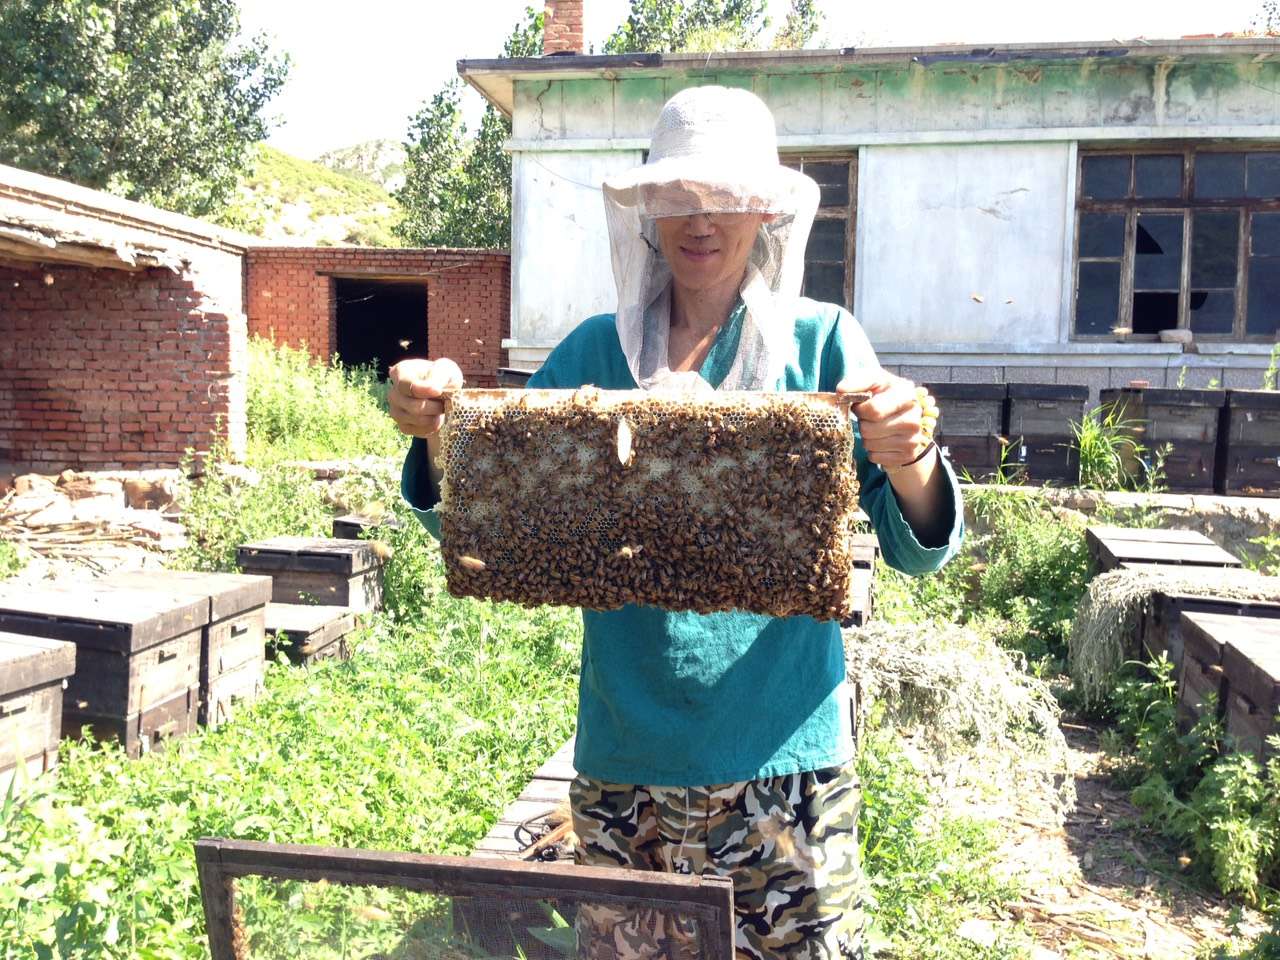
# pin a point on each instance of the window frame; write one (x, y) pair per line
(1187, 205)
(797, 159)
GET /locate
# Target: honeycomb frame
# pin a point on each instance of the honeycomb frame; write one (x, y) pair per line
(731, 500)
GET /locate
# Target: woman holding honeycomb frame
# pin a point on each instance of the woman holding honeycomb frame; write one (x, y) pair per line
(722, 743)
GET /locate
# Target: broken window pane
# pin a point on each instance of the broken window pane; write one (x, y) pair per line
(1264, 296)
(1215, 241)
(1157, 177)
(826, 241)
(1153, 312)
(1106, 178)
(1097, 297)
(833, 182)
(1265, 241)
(1102, 234)
(1263, 176)
(1212, 311)
(1219, 176)
(825, 282)
(1157, 261)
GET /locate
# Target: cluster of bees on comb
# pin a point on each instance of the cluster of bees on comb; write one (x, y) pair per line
(590, 498)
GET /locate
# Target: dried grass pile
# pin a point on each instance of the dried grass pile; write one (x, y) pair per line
(970, 705)
(1113, 607)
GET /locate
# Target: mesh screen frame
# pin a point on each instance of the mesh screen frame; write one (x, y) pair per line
(219, 862)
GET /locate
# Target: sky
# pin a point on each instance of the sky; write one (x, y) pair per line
(360, 70)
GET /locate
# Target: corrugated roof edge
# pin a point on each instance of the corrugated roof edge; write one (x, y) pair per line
(581, 66)
(72, 198)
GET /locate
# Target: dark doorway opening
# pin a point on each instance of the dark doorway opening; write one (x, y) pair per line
(380, 321)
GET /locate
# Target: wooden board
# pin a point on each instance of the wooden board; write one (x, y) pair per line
(228, 594)
(351, 526)
(360, 592)
(120, 619)
(30, 725)
(310, 632)
(29, 662)
(1161, 628)
(113, 685)
(1202, 677)
(315, 554)
(231, 691)
(1109, 547)
(548, 790)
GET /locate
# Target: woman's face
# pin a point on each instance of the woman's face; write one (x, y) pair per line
(706, 251)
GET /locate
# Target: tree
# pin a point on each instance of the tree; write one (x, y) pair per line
(457, 192)
(154, 100)
(669, 26)
(1267, 22)
(803, 21)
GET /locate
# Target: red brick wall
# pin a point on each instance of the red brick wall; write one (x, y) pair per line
(562, 27)
(108, 368)
(290, 298)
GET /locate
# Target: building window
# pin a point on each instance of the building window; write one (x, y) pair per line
(828, 259)
(1185, 239)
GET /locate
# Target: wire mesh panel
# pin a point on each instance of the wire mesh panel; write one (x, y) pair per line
(269, 902)
(728, 500)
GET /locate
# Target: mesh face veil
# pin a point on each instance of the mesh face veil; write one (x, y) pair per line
(714, 151)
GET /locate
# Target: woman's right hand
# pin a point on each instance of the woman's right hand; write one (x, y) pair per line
(416, 387)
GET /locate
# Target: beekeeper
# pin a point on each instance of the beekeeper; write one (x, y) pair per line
(722, 743)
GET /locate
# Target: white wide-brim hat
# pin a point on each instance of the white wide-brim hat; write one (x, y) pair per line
(714, 149)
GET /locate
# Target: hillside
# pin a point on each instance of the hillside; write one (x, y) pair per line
(289, 200)
(380, 161)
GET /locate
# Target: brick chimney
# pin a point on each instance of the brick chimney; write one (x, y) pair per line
(562, 27)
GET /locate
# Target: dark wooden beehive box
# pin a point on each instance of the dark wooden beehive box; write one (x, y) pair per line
(1251, 661)
(310, 633)
(971, 425)
(866, 547)
(1161, 627)
(232, 643)
(1186, 420)
(317, 570)
(137, 657)
(1111, 547)
(1039, 430)
(1203, 678)
(1249, 444)
(33, 671)
(352, 526)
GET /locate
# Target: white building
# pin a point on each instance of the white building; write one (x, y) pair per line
(1023, 213)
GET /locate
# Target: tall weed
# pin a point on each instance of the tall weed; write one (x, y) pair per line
(302, 409)
(228, 505)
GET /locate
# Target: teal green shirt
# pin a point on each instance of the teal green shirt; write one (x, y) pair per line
(686, 699)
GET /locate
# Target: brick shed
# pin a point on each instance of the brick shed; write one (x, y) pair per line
(122, 330)
(367, 304)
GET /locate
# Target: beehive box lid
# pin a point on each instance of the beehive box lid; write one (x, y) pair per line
(1204, 635)
(1251, 657)
(1165, 397)
(715, 501)
(1048, 391)
(302, 622)
(1116, 545)
(118, 618)
(1144, 535)
(1254, 399)
(316, 554)
(27, 662)
(228, 594)
(967, 391)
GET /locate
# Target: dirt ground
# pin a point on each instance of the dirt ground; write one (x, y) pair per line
(1102, 885)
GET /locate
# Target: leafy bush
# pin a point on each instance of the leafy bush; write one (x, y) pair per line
(299, 408)
(1223, 806)
(1268, 561)
(416, 744)
(11, 561)
(228, 506)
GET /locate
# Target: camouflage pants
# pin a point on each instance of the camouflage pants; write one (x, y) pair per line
(789, 844)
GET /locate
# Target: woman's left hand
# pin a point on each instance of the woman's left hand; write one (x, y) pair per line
(896, 421)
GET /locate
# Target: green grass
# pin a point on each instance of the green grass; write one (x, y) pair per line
(11, 561)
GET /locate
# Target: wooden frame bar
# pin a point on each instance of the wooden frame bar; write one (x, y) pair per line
(709, 900)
